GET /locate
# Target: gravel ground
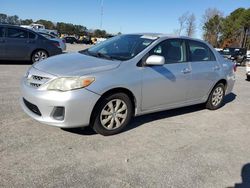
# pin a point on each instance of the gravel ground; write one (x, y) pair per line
(188, 147)
(76, 47)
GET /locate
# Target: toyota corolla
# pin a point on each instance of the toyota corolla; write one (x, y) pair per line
(128, 75)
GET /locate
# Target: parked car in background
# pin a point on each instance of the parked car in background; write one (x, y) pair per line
(40, 28)
(238, 55)
(85, 41)
(62, 42)
(248, 70)
(17, 43)
(71, 40)
(125, 76)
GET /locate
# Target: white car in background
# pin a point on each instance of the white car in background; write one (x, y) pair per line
(40, 28)
(62, 42)
(248, 66)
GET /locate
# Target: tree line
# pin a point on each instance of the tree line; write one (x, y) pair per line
(220, 31)
(61, 27)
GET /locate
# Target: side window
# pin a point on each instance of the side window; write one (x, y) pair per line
(173, 50)
(1, 31)
(17, 33)
(200, 52)
(32, 35)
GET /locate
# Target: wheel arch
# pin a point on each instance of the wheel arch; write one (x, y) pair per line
(223, 81)
(37, 49)
(128, 92)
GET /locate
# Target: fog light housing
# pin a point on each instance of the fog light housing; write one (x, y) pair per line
(58, 113)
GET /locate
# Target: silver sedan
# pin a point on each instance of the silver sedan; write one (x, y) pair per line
(125, 76)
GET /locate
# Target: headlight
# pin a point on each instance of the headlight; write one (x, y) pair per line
(69, 83)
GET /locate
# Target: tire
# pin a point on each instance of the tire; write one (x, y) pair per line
(108, 119)
(39, 55)
(248, 78)
(216, 97)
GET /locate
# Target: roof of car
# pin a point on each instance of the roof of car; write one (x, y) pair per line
(162, 35)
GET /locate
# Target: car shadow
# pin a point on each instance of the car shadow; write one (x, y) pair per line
(164, 72)
(8, 62)
(229, 98)
(245, 175)
(81, 131)
(140, 120)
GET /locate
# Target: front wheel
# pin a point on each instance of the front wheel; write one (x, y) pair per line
(112, 114)
(216, 97)
(39, 55)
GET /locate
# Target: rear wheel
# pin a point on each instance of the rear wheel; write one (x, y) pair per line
(112, 114)
(216, 97)
(39, 55)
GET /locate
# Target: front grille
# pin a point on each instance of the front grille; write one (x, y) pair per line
(33, 108)
(36, 81)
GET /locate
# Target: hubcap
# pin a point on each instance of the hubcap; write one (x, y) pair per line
(217, 96)
(113, 114)
(40, 55)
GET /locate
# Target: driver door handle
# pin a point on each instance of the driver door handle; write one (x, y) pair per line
(216, 67)
(186, 71)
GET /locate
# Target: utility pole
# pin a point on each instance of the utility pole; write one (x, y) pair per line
(101, 14)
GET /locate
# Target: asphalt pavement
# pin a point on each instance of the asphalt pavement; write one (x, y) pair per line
(188, 147)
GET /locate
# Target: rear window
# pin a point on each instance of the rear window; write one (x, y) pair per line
(200, 52)
(17, 33)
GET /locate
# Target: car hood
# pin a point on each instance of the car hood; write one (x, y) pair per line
(75, 64)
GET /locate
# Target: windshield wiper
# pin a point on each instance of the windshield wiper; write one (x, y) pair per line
(104, 56)
(98, 54)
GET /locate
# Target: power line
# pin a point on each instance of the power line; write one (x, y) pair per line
(101, 14)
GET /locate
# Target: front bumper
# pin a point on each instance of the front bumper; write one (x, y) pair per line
(77, 104)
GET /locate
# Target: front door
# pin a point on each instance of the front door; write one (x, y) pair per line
(166, 86)
(2, 43)
(17, 46)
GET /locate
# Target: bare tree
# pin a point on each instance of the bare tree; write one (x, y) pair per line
(182, 20)
(190, 25)
(210, 13)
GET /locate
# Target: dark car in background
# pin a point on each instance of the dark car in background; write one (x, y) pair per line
(86, 40)
(238, 55)
(17, 43)
(71, 40)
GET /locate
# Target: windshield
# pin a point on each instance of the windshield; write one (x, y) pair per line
(122, 47)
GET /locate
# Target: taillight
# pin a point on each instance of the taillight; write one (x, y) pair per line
(56, 44)
(234, 67)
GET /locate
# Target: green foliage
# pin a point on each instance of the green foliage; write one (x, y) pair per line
(26, 22)
(46, 23)
(100, 33)
(3, 18)
(212, 30)
(61, 27)
(231, 28)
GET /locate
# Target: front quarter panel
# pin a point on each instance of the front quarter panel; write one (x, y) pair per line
(127, 76)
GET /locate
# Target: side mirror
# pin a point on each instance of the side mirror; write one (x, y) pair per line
(155, 60)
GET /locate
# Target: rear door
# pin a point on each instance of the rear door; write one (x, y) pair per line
(205, 70)
(2, 42)
(17, 46)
